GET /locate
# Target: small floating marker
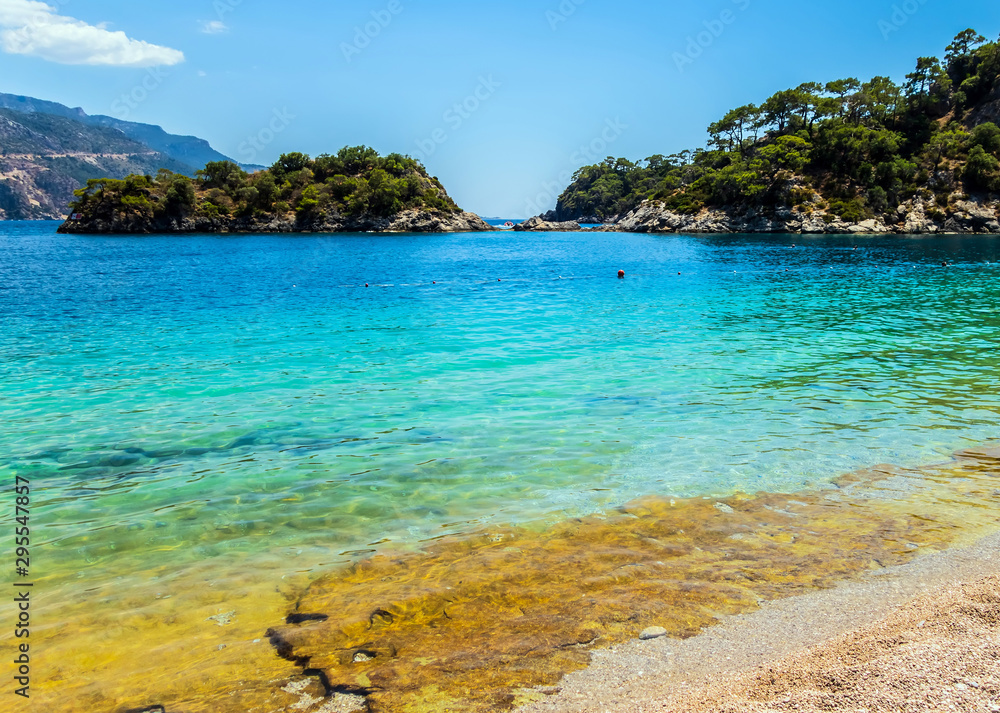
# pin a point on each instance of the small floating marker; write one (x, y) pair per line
(621, 274)
(366, 284)
(499, 280)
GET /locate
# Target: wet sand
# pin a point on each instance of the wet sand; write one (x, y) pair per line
(923, 636)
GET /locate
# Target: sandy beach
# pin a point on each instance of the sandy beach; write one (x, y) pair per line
(924, 636)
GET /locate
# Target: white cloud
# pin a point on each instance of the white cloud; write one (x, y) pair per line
(36, 29)
(215, 27)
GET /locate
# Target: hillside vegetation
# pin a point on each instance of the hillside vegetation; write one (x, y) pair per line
(857, 150)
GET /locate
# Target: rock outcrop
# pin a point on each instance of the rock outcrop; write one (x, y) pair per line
(986, 110)
(962, 215)
(539, 225)
(407, 221)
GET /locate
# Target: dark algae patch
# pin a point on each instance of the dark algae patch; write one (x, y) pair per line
(476, 623)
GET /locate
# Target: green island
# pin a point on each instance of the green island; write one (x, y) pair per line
(845, 156)
(354, 190)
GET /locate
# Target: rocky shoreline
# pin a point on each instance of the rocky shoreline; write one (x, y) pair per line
(408, 221)
(963, 215)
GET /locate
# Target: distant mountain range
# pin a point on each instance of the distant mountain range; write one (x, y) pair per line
(48, 150)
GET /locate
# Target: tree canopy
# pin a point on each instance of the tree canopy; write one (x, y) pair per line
(355, 181)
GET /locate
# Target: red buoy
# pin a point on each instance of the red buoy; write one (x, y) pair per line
(621, 274)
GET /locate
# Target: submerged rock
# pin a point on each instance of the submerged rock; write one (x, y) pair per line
(223, 619)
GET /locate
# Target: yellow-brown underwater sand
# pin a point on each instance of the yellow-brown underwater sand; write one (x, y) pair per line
(492, 620)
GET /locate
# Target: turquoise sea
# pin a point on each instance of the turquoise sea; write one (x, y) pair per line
(183, 400)
(148, 378)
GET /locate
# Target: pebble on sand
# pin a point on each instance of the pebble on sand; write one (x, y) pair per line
(653, 632)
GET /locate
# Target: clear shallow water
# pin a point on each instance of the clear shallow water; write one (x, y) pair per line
(188, 398)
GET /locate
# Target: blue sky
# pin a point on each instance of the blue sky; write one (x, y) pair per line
(502, 101)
